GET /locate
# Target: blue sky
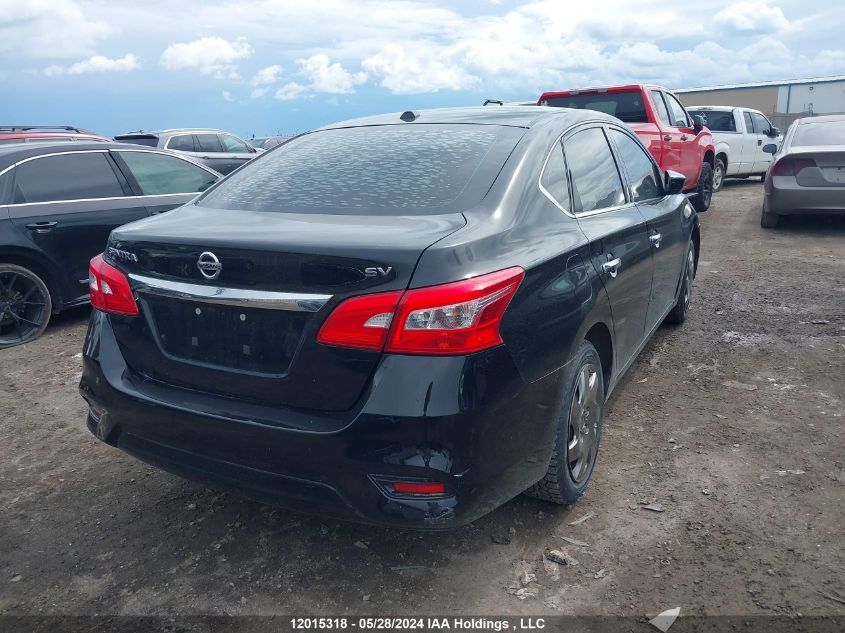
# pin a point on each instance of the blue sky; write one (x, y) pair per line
(267, 66)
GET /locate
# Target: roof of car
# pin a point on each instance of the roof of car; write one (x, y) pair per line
(16, 152)
(827, 118)
(513, 116)
(176, 130)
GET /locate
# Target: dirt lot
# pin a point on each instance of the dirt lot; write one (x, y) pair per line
(733, 423)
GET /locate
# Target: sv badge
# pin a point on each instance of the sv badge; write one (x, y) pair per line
(377, 271)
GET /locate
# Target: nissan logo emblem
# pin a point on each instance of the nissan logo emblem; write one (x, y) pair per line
(209, 266)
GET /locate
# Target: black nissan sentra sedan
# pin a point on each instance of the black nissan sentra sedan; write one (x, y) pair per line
(406, 319)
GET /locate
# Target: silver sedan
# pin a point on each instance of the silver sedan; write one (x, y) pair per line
(807, 174)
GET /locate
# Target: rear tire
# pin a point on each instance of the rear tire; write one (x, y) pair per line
(578, 431)
(718, 175)
(701, 202)
(25, 305)
(678, 314)
(769, 220)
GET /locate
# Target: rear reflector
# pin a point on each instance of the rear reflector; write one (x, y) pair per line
(418, 488)
(456, 318)
(109, 288)
(791, 166)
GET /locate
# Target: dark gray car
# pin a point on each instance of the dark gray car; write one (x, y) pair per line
(221, 151)
(807, 175)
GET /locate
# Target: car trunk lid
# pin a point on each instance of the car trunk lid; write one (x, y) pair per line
(235, 312)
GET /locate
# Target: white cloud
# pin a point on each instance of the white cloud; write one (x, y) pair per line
(753, 16)
(290, 91)
(325, 76)
(96, 64)
(209, 55)
(44, 29)
(257, 93)
(404, 72)
(227, 96)
(266, 76)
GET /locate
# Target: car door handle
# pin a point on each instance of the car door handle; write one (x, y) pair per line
(612, 267)
(655, 239)
(667, 137)
(684, 137)
(41, 227)
(759, 141)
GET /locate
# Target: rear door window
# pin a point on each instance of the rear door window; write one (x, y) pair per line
(233, 145)
(182, 143)
(74, 176)
(372, 170)
(208, 143)
(595, 180)
(158, 174)
(642, 173)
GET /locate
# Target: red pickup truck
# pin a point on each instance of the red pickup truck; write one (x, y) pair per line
(675, 139)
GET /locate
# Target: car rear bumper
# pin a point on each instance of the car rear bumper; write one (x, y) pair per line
(470, 423)
(784, 196)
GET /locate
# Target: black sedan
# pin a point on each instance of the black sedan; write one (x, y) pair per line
(405, 319)
(58, 204)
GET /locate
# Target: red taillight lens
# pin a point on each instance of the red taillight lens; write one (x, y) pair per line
(418, 488)
(361, 322)
(457, 318)
(792, 166)
(109, 288)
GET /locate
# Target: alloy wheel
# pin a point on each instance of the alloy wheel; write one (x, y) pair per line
(718, 177)
(23, 308)
(583, 423)
(688, 278)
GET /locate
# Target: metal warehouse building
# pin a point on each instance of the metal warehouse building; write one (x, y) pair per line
(781, 101)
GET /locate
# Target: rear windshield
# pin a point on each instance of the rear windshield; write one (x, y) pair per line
(149, 141)
(375, 170)
(627, 106)
(716, 120)
(820, 133)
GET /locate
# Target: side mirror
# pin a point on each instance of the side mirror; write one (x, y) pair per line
(774, 132)
(673, 182)
(697, 123)
(770, 148)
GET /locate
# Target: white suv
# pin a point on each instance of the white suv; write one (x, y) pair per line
(739, 135)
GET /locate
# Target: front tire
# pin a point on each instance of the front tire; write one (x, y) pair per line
(679, 312)
(718, 175)
(704, 190)
(578, 431)
(25, 305)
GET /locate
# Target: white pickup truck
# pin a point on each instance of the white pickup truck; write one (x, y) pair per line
(739, 135)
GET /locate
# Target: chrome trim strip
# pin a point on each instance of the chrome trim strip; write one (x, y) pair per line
(292, 302)
(140, 198)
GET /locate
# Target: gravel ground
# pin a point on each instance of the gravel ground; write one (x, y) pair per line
(732, 423)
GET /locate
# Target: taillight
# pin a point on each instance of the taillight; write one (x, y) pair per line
(456, 318)
(109, 288)
(792, 166)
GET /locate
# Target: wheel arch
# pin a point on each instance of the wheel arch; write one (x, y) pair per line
(600, 337)
(39, 266)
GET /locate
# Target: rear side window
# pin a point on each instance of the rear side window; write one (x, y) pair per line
(820, 133)
(233, 145)
(717, 120)
(182, 143)
(158, 174)
(642, 173)
(375, 170)
(208, 143)
(66, 177)
(660, 107)
(627, 106)
(554, 178)
(595, 179)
